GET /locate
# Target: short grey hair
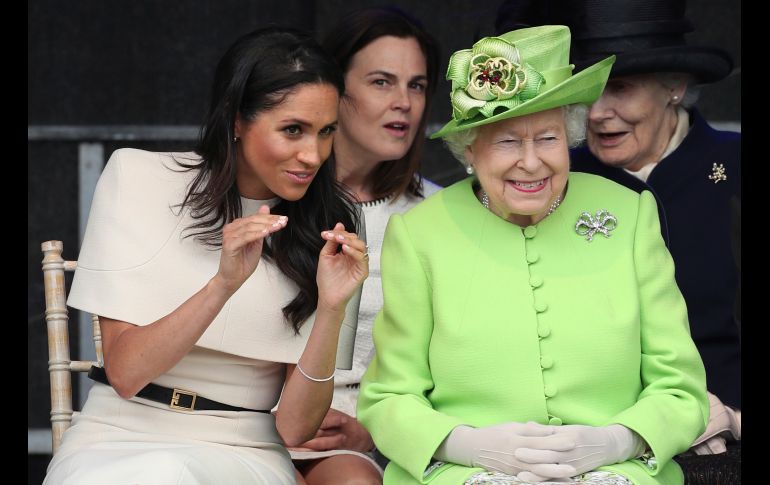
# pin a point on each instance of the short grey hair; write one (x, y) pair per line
(575, 118)
(674, 79)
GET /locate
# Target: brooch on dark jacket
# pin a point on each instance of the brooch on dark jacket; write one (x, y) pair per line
(718, 173)
(588, 225)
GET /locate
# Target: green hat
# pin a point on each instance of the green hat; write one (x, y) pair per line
(518, 73)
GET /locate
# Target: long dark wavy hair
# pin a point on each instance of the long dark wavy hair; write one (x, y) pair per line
(256, 75)
(354, 32)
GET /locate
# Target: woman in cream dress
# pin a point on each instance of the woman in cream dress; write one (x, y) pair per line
(224, 273)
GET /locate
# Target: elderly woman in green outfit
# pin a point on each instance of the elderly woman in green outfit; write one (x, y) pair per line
(532, 328)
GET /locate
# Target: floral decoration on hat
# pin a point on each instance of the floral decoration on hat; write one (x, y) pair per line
(490, 75)
(515, 74)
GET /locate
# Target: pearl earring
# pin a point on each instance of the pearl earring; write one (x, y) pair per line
(469, 170)
(235, 139)
(675, 98)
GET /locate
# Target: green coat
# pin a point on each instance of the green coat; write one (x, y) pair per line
(485, 323)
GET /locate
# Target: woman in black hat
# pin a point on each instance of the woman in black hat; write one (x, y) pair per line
(644, 133)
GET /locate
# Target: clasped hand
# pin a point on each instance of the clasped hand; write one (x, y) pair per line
(339, 431)
(494, 447)
(535, 452)
(584, 448)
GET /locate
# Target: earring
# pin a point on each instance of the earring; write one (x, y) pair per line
(235, 139)
(469, 169)
(675, 98)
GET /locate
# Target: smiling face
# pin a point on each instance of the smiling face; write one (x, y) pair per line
(384, 101)
(281, 150)
(630, 125)
(522, 163)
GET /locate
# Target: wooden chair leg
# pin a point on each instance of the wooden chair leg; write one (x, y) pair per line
(58, 340)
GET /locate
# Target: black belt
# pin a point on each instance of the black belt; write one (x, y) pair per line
(174, 398)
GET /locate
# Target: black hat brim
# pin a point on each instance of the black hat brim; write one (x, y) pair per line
(706, 64)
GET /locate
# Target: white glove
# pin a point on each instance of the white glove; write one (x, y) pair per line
(712, 446)
(724, 422)
(592, 447)
(493, 448)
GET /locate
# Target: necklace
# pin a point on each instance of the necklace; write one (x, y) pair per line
(485, 202)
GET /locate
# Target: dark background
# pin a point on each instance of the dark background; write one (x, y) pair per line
(108, 62)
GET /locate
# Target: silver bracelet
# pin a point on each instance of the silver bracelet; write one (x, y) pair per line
(326, 379)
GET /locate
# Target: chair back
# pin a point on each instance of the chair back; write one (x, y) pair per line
(59, 364)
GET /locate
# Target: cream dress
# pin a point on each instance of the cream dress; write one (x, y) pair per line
(135, 266)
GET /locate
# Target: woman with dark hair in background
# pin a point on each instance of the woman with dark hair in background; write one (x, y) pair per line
(391, 69)
(221, 277)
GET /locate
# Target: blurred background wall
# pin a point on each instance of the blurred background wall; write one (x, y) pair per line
(105, 74)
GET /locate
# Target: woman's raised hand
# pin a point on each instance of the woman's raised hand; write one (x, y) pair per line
(242, 242)
(340, 273)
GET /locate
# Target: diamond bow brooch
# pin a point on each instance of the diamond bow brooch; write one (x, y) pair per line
(588, 225)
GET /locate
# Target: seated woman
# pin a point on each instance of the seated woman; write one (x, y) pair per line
(646, 133)
(532, 328)
(225, 273)
(391, 69)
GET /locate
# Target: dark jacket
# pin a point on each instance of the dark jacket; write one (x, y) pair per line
(698, 214)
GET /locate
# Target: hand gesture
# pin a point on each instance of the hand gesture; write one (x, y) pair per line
(340, 273)
(242, 242)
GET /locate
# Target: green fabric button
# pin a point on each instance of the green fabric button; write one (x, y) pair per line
(530, 232)
(555, 421)
(532, 256)
(550, 390)
(541, 306)
(546, 361)
(543, 330)
(535, 280)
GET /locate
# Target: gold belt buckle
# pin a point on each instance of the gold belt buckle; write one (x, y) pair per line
(174, 404)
